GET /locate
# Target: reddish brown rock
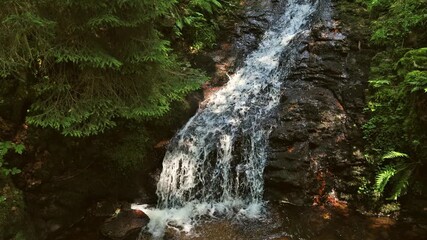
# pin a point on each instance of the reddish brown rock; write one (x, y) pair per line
(127, 224)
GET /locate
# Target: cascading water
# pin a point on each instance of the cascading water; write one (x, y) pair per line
(215, 164)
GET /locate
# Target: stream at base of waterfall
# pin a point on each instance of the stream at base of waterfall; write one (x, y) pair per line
(214, 165)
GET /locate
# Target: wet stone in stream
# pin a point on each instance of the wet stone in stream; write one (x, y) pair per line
(126, 224)
(280, 222)
(289, 222)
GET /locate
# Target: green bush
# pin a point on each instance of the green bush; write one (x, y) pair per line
(395, 131)
(88, 63)
(5, 147)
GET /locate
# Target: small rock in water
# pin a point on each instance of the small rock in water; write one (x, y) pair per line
(126, 225)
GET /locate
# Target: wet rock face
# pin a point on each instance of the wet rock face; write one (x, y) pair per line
(126, 225)
(255, 20)
(316, 146)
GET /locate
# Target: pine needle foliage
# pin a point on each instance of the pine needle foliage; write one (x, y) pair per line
(24, 37)
(90, 62)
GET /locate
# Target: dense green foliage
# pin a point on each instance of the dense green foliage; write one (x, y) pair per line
(11, 198)
(396, 130)
(398, 23)
(5, 147)
(5, 171)
(84, 64)
(83, 67)
(399, 170)
(198, 22)
(98, 72)
(107, 61)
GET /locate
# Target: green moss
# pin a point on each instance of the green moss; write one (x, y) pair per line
(356, 16)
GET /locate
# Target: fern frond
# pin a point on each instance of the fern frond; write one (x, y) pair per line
(394, 154)
(377, 83)
(416, 80)
(402, 183)
(383, 177)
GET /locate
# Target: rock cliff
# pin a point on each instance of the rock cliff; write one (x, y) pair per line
(316, 148)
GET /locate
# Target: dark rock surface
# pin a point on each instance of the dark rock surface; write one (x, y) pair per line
(316, 149)
(59, 187)
(12, 213)
(126, 225)
(255, 20)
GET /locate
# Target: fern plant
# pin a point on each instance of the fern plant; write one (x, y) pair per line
(396, 98)
(396, 174)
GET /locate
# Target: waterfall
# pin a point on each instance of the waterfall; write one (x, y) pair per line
(215, 164)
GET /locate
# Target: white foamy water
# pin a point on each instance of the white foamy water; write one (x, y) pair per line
(214, 165)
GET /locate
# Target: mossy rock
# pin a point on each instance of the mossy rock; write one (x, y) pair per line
(355, 16)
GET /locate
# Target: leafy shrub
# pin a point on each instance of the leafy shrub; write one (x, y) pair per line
(5, 147)
(397, 20)
(398, 86)
(88, 63)
(396, 171)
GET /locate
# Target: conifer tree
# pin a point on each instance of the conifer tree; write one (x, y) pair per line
(89, 62)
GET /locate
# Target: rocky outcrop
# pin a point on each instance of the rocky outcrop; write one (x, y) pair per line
(316, 148)
(254, 21)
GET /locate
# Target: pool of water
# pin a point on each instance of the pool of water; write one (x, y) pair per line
(283, 222)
